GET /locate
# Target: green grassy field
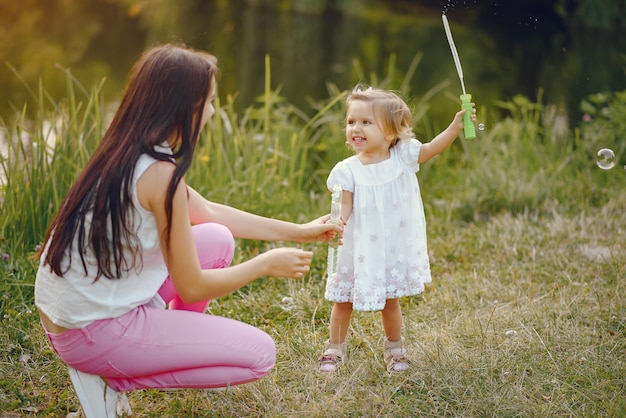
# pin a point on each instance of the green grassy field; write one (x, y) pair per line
(525, 316)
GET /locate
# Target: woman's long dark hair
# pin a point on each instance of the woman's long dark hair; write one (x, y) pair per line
(164, 100)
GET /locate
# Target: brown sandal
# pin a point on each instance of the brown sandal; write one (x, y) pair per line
(334, 355)
(395, 356)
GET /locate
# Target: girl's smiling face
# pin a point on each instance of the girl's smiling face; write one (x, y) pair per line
(365, 134)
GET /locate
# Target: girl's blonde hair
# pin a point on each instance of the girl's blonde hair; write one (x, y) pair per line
(390, 111)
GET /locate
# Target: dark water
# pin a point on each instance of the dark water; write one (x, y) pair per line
(520, 47)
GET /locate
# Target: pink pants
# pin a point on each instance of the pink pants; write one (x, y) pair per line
(179, 347)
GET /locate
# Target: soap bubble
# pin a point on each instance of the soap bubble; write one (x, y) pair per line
(481, 126)
(605, 159)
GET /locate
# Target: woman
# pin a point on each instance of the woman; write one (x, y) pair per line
(122, 247)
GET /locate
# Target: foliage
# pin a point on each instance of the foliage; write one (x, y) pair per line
(605, 121)
(601, 13)
(43, 156)
(259, 159)
(525, 316)
(525, 163)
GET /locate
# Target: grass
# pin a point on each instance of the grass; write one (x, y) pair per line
(525, 316)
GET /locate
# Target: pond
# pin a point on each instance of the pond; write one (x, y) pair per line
(506, 48)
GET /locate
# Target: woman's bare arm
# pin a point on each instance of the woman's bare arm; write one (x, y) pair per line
(247, 225)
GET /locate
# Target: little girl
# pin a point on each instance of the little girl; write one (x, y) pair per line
(384, 254)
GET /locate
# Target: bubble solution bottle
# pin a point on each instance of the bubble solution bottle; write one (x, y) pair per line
(468, 125)
(335, 218)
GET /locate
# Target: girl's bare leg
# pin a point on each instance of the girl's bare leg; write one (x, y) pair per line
(340, 321)
(392, 320)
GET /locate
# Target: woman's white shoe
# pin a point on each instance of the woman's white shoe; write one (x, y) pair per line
(97, 399)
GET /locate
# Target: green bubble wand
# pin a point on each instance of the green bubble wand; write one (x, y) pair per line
(466, 99)
(335, 218)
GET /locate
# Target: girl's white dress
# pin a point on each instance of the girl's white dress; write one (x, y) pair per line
(384, 253)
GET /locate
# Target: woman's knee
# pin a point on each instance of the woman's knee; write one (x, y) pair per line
(215, 244)
(267, 358)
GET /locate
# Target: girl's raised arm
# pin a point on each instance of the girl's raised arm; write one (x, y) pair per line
(442, 141)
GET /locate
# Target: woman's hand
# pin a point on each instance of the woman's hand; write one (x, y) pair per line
(286, 262)
(319, 230)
